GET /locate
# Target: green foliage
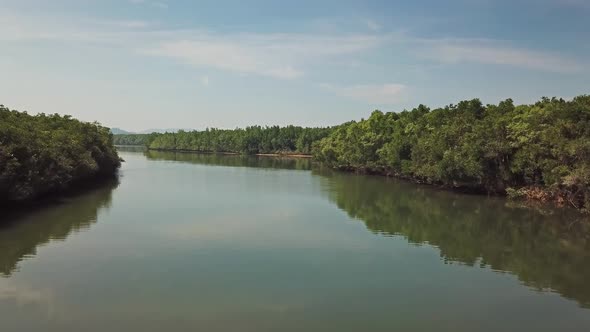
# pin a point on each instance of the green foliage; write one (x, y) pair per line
(476, 147)
(251, 140)
(130, 139)
(43, 153)
(213, 159)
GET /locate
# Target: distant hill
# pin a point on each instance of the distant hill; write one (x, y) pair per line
(119, 131)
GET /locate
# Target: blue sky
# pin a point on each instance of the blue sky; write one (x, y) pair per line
(138, 64)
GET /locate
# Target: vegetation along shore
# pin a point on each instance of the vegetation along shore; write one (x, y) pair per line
(537, 152)
(43, 154)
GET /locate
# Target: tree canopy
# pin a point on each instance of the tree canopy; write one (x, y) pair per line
(44, 153)
(251, 140)
(131, 139)
(541, 151)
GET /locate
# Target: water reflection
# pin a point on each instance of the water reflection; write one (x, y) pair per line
(130, 148)
(546, 250)
(212, 159)
(21, 232)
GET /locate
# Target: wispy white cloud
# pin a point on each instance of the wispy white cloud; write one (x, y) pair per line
(374, 26)
(74, 30)
(134, 24)
(124, 24)
(224, 55)
(377, 94)
(489, 52)
(156, 4)
(205, 80)
(160, 5)
(277, 55)
(281, 56)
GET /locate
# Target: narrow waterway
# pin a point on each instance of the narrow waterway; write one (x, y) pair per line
(189, 242)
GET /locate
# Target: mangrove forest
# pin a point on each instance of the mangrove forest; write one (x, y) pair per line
(539, 151)
(45, 153)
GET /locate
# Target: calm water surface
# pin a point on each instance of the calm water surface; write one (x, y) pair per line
(187, 242)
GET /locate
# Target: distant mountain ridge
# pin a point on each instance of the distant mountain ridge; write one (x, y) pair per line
(119, 131)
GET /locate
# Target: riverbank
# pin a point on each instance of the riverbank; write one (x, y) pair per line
(282, 155)
(43, 155)
(194, 151)
(532, 195)
(534, 152)
(11, 209)
(526, 195)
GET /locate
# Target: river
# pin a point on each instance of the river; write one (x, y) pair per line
(193, 242)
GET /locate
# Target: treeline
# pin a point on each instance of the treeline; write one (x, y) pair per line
(212, 159)
(131, 139)
(539, 151)
(251, 140)
(45, 153)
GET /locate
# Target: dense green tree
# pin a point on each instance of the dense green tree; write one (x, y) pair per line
(540, 151)
(132, 139)
(250, 140)
(45, 153)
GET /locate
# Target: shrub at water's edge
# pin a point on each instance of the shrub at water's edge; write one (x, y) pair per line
(133, 139)
(250, 140)
(534, 152)
(43, 153)
(539, 151)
